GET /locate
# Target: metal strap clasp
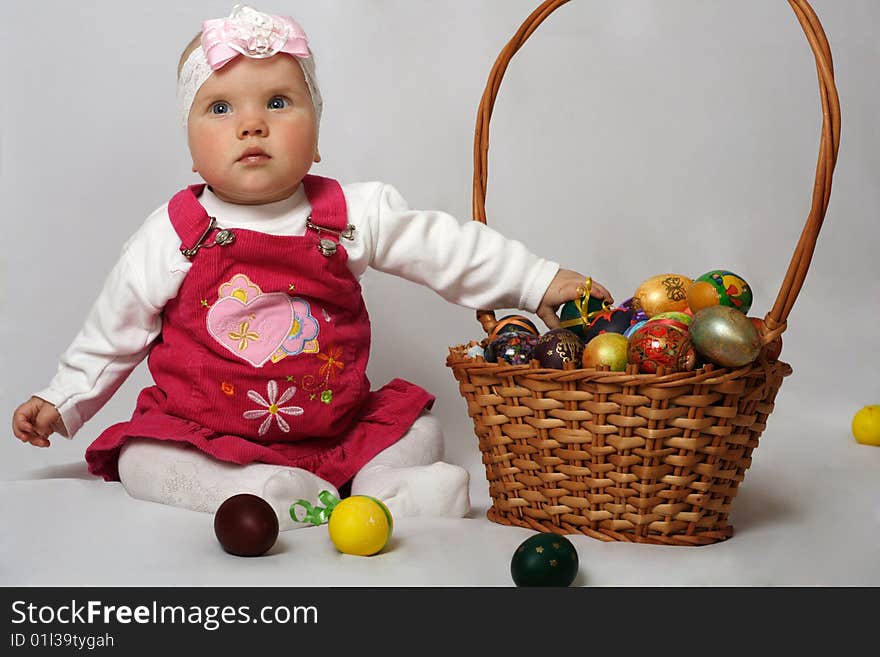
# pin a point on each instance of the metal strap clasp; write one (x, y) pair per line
(348, 233)
(224, 237)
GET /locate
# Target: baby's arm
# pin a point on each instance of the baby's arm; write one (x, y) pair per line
(468, 264)
(121, 325)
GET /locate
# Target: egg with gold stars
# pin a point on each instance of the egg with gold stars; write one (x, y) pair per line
(544, 560)
(663, 293)
(557, 347)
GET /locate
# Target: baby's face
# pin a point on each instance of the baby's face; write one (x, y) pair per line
(252, 131)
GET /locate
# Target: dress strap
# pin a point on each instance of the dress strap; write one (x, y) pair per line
(329, 210)
(188, 217)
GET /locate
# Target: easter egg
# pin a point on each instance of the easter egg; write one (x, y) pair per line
(674, 315)
(544, 560)
(638, 315)
(772, 350)
(575, 318)
(635, 327)
(557, 347)
(513, 323)
(720, 288)
(725, 336)
(661, 294)
(360, 525)
(606, 349)
(866, 425)
(661, 343)
(610, 320)
(246, 525)
(514, 347)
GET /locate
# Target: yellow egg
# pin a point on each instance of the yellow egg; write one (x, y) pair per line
(866, 425)
(360, 525)
(663, 293)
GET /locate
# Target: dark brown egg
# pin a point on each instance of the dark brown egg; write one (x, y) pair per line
(246, 525)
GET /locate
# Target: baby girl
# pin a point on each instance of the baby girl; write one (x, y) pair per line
(244, 295)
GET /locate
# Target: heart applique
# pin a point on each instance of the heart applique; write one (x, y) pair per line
(255, 330)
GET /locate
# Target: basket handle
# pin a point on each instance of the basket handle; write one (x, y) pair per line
(775, 321)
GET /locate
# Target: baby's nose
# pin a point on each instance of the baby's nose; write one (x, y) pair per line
(253, 128)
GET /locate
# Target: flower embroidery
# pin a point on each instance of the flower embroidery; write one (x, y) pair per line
(303, 329)
(228, 389)
(332, 362)
(272, 408)
(244, 335)
(240, 287)
(327, 397)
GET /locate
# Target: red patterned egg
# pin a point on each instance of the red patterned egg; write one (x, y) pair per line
(661, 343)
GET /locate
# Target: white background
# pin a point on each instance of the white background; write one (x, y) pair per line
(630, 138)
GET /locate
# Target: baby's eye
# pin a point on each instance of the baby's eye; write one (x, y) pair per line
(278, 102)
(220, 107)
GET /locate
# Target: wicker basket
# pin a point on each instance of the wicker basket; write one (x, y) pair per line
(623, 456)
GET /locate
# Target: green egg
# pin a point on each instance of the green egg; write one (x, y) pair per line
(571, 317)
(544, 560)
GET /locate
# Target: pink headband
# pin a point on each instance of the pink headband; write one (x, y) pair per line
(253, 34)
(250, 33)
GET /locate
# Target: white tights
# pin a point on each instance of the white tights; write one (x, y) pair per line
(408, 476)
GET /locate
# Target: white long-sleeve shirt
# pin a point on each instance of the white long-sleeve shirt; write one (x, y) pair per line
(467, 264)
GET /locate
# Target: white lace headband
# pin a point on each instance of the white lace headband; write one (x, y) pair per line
(250, 33)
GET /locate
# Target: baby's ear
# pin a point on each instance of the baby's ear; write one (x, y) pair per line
(317, 155)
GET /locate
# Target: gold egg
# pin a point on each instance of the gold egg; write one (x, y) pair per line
(663, 293)
(606, 349)
(702, 295)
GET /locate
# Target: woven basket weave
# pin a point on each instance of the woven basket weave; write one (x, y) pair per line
(623, 456)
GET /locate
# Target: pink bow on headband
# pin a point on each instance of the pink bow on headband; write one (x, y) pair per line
(251, 33)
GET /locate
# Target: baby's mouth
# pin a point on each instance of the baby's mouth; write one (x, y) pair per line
(254, 156)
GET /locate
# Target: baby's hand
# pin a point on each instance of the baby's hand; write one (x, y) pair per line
(35, 420)
(566, 286)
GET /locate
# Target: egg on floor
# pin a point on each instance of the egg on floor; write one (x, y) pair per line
(246, 525)
(544, 559)
(360, 525)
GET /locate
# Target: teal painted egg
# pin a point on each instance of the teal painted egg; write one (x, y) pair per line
(720, 288)
(544, 560)
(725, 336)
(635, 327)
